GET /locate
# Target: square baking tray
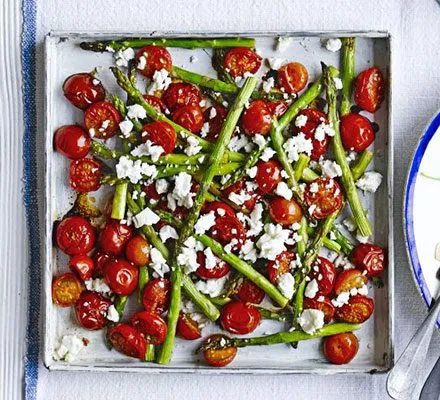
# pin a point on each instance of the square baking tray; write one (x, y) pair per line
(63, 57)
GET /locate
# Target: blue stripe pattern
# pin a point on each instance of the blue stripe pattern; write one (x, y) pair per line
(28, 54)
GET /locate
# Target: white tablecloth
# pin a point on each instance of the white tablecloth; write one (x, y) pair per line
(415, 26)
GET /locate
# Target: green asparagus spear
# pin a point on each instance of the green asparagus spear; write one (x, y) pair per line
(347, 76)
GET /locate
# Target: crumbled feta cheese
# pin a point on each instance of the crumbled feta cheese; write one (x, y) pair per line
(248, 251)
(160, 81)
(92, 132)
(273, 241)
(311, 320)
(204, 223)
(312, 209)
(301, 120)
(158, 262)
(112, 314)
(267, 154)
(254, 221)
(205, 128)
(351, 156)
(193, 147)
(283, 190)
(331, 168)
(148, 149)
(360, 238)
(296, 145)
(181, 195)
(363, 290)
(259, 140)
(275, 63)
(333, 44)
(343, 262)
(342, 299)
(210, 259)
(314, 187)
(126, 126)
(295, 226)
(350, 224)
(370, 181)
(239, 198)
(323, 129)
(311, 289)
(98, 285)
(145, 217)
(283, 42)
(187, 258)
(167, 232)
(142, 63)
(212, 287)
(96, 82)
(268, 84)
(286, 284)
(162, 186)
(338, 83)
(252, 172)
(136, 111)
(124, 56)
(69, 348)
(239, 142)
(212, 113)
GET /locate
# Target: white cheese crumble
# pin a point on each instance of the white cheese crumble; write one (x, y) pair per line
(212, 113)
(342, 299)
(370, 181)
(252, 172)
(311, 320)
(350, 224)
(239, 142)
(296, 145)
(124, 56)
(283, 190)
(187, 258)
(283, 42)
(248, 251)
(273, 241)
(210, 259)
(148, 149)
(193, 146)
(333, 44)
(181, 194)
(286, 284)
(212, 287)
(268, 84)
(338, 83)
(331, 168)
(112, 314)
(126, 126)
(69, 348)
(98, 285)
(160, 81)
(142, 63)
(205, 128)
(254, 221)
(136, 111)
(360, 238)
(204, 223)
(301, 120)
(162, 186)
(343, 262)
(323, 129)
(267, 154)
(311, 289)
(145, 217)
(158, 262)
(259, 140)
(275, 63)
(96, 82)
(167, 232)
(314, 187)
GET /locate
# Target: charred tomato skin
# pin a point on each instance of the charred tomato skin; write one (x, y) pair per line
(292, 77)
(156, 57)
(187, 328)
(91, 310)
(103, 118)
(369, 89)
(240, 60)
(80, 90)
(356, 311)
(85, 175)
(128, 340)
(180, 94)
(75, 235)
(370, 258)
(326, 199)
(219, 357)
(121, 276)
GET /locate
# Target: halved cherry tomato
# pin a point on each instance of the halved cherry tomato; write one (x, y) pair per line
(218, 271)
(151, 325)
(249, 292)
(369, 257)
(160, 133)
(114, 236)
(137, 251)
(128, 340)
(257, 118)
(181, 94)
(324, 271)
(356, 311)
(219, 208)
(219, 357)
(341, 348)
(190, 117)
(242, 187)
(280, 266)
(121, 276)
(324, 304)
(83, 89)
(151, 192)
(369, 89)
(323, 199)
(155, 58)
(102, 120)
(91, 310)
(75, 236)
(349, 279)
(268, 176)
(101, 259)
(66, 289)
(187, 328)
(85, 175)
(72, 141)
(314, 119)
(156, 102)
(239, 318)
(82, 265)
(215, 120)
(293, 77)
(284, 212)
(277, 108)
(240, 60)
(227, 228)
(356, 132)
(156, 295)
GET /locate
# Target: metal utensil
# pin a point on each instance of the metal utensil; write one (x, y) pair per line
(405, 375)
(431, 388)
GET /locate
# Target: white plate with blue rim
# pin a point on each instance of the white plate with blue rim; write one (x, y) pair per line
(421, 216)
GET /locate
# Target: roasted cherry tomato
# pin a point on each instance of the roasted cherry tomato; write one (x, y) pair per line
(75, 236)
(356, 132)
(114, 236)
(321, 303)
(137, 251)
(369, 257)
(314, 119)
(217, 271)
(341, 348)
(257, 118)
(219, 357)
(356, 311)
(277, 108)
(156, 102)
(292, 77)
(369, 89)
(151, 325)
(181, 94)
(284, 212)
(91, 310)
(239, 318)
(187, 328)
(82, 265)
(153, 58)
(128, 340)
(66, 289)
(323, 197)
(156, 295)
(240, 60)
(102, 120)
(280, 266)
(72, 141)
(151, 192)
(349, 279)
(249, 292)
(121, 276)
(268, 176)
(215, 116)
(190, 117)
(324, 271)
(219, 208)
(227, 228)
(85, 175)
(160, 133)
(101, 259)
(243, 187)
(83, 89)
